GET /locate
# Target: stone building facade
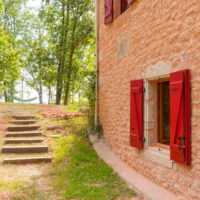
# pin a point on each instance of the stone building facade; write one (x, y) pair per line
(148, 60)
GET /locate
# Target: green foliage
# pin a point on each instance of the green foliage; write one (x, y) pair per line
(70, 25)
(10, 52)
(81, 174)
(61, 147)
(76, 173)
(71, 108)
(9, 186)
(30, 192)
(54, 46)
(9, 64)
(85, 176)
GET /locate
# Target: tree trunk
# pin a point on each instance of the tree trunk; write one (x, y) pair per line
(66, 100)
(12, 91)
(59, 85)
(5, 92)
(41, 93)
(5, 96)
(49, 100)
(61, 65)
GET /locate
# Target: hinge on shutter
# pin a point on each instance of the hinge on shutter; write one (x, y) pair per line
(144, 90)
(144, 139)
(181, 142)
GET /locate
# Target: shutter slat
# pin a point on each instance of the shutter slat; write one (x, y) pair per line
(108, 11)
(180, 143)
(136, 114)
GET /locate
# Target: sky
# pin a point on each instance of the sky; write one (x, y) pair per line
(34, 3)
(28, 92)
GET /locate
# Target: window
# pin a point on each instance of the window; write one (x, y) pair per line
(167, 106)
(124, 5)
(114, 8)
(163, 131)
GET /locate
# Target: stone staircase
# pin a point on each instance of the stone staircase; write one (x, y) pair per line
(24, 143)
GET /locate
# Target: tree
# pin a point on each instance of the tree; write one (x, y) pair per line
(11, 17)
(69, 24)
(81, 31)
(9, 61)
(37, 56)
(51, 44)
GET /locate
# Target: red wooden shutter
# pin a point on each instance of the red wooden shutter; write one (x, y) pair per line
(130, 1)
(108, 11)
(136, 114)
(180, 117)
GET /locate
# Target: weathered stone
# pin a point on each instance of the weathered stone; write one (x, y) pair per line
(23, 134)
(24, 149)
(23, 117)
(26, 140)
(23, 128)
(149, 41)
(24, 122)
(27, 160)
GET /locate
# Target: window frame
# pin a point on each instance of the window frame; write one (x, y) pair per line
(159, 119)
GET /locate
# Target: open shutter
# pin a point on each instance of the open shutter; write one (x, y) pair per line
(108, 11)
(136, 114)
(130, 1)
(180, 143)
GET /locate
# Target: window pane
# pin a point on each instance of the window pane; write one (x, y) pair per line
(166, 111)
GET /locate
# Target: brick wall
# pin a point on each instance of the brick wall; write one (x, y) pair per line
(151, 37)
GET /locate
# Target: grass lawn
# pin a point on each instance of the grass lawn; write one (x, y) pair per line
(81, 174)
(77, 173)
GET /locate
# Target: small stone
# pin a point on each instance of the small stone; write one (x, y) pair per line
(55, 136)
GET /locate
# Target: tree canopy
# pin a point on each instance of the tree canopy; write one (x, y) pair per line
(50, 49)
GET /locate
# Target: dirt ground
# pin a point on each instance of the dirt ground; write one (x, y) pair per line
(11, 176)
(36, 181)
(56, 112)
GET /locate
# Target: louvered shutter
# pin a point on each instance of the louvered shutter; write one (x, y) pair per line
(136, 114)
(108, 11)
(180, 143)
(130, 1)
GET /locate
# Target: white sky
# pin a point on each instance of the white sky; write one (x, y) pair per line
(34, 3)
(28, 92)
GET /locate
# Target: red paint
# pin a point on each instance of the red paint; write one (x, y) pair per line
(124, 5)
(136, 114)
(180, 130)
(108, 11)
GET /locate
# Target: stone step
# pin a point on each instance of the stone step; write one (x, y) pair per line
(23, 128)
(28, 160)
(24, 122)
(25, 140)
(24, 149)
(23, 117)
(23, 134)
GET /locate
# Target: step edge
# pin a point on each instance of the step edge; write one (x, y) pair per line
(27, 158)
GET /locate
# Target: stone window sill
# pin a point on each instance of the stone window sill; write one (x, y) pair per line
(159, 155)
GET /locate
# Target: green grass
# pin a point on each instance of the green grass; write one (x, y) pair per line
(61, 147)
(84, 175)
(77, 172)
(29, 192)
(12, 186)
(71, 108)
